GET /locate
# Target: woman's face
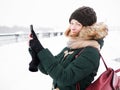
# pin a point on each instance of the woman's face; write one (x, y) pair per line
(75, 27)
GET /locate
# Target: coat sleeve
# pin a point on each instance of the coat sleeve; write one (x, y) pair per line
(81, 67)
(40, 66)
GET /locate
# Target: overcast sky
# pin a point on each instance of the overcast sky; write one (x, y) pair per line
(54, 13)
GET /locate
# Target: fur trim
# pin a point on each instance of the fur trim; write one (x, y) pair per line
(80, 43)
(87, 36)
(94, 32)
(67, 32)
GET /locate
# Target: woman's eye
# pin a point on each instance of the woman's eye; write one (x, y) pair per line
(78, 24)
(71, 23)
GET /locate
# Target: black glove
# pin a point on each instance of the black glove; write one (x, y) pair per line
(33, 65)
(34, 43)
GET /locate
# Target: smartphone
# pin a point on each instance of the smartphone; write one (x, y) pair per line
(33, 34)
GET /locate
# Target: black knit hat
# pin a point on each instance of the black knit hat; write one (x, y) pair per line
(85, 15)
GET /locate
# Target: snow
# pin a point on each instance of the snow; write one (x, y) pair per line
(14, 60)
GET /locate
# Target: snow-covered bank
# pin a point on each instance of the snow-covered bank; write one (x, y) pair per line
(14, 59)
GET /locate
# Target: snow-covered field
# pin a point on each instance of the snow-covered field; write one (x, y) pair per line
(14, 59)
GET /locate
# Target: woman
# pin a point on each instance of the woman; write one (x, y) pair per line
(68, 69)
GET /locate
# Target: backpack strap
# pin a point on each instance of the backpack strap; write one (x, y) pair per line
(79, 53)
(118, 70)
(78, 85)
(103, 60)
(100, 56)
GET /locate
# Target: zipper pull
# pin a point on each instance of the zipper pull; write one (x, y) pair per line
(67, 53)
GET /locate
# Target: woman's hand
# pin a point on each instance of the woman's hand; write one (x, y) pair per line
(34, 43)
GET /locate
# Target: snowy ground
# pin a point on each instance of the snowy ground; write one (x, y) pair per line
(14, 59)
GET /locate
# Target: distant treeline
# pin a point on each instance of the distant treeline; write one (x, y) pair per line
(16, 33)
(15, 29)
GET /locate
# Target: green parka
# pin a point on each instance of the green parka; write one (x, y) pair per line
(69, 71)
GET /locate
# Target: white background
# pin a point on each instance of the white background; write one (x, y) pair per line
(14, 58)
(54, 13)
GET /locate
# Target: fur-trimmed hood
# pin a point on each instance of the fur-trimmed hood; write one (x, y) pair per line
(88, 36)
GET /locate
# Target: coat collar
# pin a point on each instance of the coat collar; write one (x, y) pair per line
(80, 43)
